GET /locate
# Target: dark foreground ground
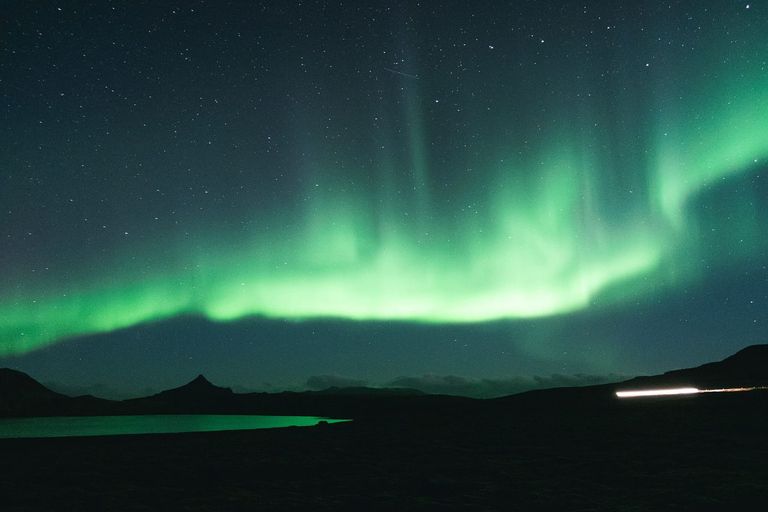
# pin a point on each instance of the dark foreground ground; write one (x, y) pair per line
(694, 453)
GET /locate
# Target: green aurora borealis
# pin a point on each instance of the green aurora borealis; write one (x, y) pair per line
(563, 189)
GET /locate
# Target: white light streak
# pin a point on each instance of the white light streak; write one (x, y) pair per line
(679, 391)
(657, 392)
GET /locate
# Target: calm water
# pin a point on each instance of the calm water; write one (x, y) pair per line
(158, 424)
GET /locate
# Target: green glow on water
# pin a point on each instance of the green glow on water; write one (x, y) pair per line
(76, 426)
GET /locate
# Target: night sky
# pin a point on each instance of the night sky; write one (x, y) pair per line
(469, 197)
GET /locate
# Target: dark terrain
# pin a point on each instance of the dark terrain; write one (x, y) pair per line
(559, 449)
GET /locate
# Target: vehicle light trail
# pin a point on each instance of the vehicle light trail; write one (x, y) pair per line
(679, 391)
(657, 392)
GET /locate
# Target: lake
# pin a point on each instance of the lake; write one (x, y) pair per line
(71, 426)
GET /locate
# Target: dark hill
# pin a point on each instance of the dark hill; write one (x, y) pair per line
(746, 368)
(16, 383)
(20, 393)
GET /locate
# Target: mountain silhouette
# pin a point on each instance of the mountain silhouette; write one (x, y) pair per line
(20, 392)
(198, 388)
(198, 396)
(14, 383)
(21, 395)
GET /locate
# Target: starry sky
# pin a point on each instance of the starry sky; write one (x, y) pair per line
(470, 197)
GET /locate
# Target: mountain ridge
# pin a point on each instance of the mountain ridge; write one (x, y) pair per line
(21, 395)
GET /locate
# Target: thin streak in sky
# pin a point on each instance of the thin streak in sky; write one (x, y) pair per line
(401, 73)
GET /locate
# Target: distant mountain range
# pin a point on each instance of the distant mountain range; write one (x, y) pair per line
(22, 396)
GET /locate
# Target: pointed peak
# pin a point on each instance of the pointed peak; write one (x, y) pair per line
(199, 385)
(200, 379)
